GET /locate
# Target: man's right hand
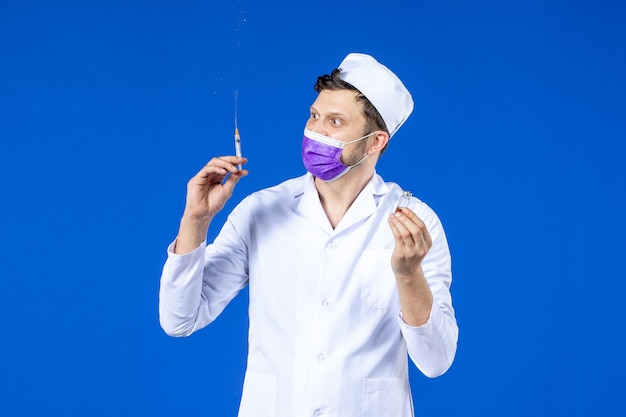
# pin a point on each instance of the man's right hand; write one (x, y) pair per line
(207, 193)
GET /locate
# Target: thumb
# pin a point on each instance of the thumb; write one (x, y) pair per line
(233, 179)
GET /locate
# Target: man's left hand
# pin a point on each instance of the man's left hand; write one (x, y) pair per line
(412, 242)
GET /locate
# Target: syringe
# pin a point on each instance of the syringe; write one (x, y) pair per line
(238, 146)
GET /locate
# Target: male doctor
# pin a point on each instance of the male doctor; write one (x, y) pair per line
(342, 285)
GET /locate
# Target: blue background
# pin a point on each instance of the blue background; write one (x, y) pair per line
(517, 141)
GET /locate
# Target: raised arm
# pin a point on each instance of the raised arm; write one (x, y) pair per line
(196, 284)
(207, 192)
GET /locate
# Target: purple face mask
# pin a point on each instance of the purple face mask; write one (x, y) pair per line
(322, 155)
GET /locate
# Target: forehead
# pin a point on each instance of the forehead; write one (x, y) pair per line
(338, 102)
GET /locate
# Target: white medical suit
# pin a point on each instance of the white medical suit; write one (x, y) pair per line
(326, 336)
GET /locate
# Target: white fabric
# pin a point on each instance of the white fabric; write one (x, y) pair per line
(335, 143)
(325, 336)
(381, 87)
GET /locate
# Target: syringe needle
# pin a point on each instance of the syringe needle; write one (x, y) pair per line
(238, 146)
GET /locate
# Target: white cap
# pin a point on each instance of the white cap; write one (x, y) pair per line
(380, 86)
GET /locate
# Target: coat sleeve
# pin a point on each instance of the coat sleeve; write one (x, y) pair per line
(196, 287)
(432, 346)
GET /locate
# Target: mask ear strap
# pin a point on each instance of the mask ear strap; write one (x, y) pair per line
(361, 160)
(361, 138)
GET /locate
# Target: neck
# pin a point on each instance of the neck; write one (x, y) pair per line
(337, 196)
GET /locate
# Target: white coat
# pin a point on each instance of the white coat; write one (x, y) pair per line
(326, 336)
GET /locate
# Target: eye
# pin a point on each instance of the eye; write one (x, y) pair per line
(335, 122)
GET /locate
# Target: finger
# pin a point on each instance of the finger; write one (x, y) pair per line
(215, 166)
(239, 160)
(228, 161)
(403, 238)
(421, 225)
(213, 172)
(409, 216)
(224, 164)
(413, 237)
(232, 180)
(407, 228)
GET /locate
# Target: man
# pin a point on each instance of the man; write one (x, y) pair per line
(342, 285)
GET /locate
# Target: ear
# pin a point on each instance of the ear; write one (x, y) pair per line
(379, 142)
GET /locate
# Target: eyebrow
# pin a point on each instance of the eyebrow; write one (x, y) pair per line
(331, 114)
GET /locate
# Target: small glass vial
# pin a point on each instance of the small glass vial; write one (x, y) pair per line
(404, 200)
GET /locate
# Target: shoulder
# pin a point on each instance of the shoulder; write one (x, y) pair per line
(290, 187)
(419, 206)
(275, 196)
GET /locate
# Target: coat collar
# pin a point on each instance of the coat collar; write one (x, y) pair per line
(363, 206)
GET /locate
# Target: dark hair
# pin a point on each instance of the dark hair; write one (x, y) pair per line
(374, 120)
